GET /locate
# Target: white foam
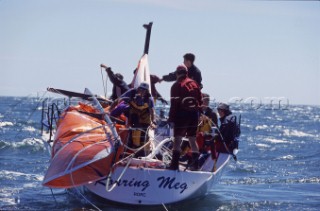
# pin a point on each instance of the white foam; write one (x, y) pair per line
(37, 144)
(287, 157)
(3, 124)
(29, 128)
(261, 127)
(296, 133)
(14, 174)
(276, 141)
(297, 109)
(31, 185)
(263, 145)
(7, 199)
(11, 173)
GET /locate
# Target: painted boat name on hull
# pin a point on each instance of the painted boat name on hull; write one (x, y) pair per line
(164, 182)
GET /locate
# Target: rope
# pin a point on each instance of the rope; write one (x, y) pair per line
(72, 178)
(54, 196)
(93, 205)
(164, 206)
(121, 175)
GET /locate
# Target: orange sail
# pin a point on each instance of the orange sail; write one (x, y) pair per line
(83, 150)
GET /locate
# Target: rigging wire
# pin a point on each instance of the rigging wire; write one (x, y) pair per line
(104, 83)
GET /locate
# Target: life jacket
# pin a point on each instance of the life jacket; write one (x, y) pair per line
(139, 114)
(205, 124)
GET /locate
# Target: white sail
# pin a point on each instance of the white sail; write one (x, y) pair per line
(142, 73)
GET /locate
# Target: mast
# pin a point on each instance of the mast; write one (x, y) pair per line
(148, 34)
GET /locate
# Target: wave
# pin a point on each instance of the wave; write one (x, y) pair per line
(285, 157)
(276, 141)
(3, 124)
(32, 144)
(29, 128)
(260, 180)
(263, 145)
(244, 167)
(261, 127)
(6, 195)
(296, 133)
(15, 175)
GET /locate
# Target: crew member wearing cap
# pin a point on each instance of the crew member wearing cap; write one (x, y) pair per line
(227, 130)
(186, 103)
(154, 92)
(209, 118)
(137, 104)
(193, 71)
(119, 85)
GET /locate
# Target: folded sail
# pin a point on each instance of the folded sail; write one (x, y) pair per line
(142, 73)
(82, 151)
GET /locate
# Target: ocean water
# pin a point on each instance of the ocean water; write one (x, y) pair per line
(278, 164)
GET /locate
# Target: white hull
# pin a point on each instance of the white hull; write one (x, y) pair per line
(153, 186)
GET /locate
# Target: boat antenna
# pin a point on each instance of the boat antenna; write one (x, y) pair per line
(148, 34)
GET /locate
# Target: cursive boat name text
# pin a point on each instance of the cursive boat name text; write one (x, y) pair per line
(168, 182)
(163, 182)
(132, 183)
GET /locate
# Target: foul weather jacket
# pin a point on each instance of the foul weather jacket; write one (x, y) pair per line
(119, 86)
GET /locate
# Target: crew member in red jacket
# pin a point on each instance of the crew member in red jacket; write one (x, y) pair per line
(184, 111)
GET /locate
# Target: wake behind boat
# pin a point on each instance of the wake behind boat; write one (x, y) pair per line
(90, 151)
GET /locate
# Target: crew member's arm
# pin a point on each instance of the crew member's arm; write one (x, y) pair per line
(110, 73)
(170, 77)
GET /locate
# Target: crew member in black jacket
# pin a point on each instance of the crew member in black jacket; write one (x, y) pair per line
(193, 72)
(227, 131)
(119, 85)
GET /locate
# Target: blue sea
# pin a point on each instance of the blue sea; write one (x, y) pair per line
(278, 165)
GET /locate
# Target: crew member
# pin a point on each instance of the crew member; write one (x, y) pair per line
(193, 71)
(119, 85)
(185, 105)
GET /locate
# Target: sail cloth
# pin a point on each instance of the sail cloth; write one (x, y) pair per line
(82, 151)
(142, 73)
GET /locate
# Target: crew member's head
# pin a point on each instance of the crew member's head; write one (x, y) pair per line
(188, 59)
(223, 109)
(119, 76)
(181, 71)
(143, 88)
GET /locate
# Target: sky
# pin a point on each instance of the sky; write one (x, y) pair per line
(247, 51)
